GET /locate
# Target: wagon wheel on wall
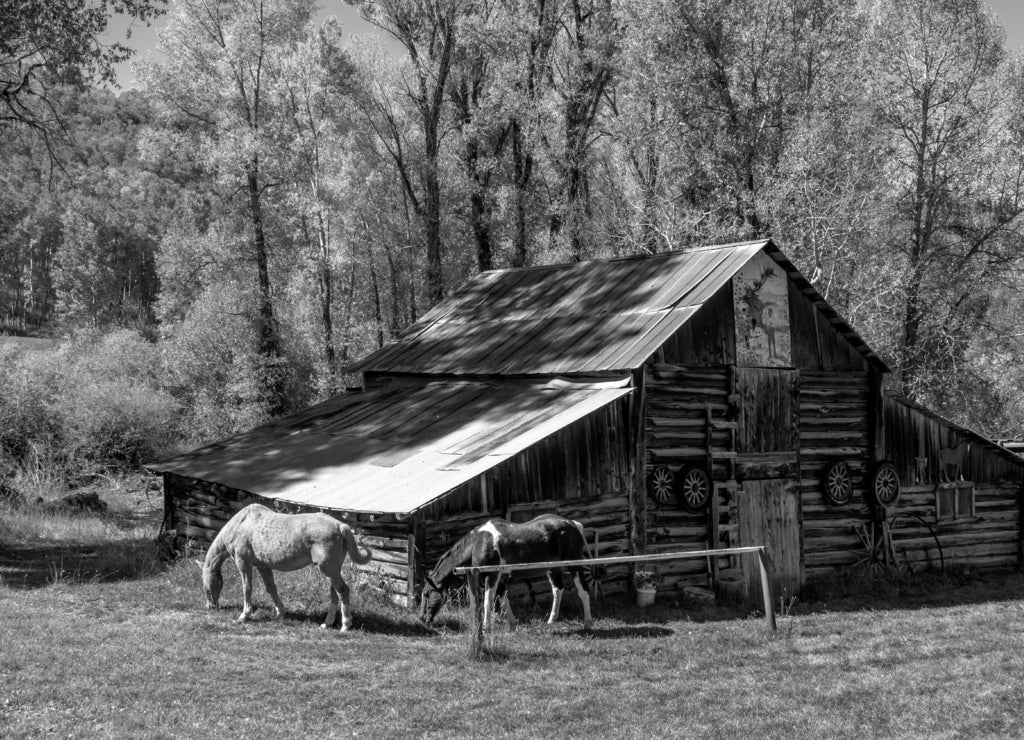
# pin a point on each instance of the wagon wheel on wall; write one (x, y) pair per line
(837, 483)
(661, 484)
(693, 489)
(885, 484)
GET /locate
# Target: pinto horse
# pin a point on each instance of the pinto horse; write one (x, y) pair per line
(498, 542)
(260, 538)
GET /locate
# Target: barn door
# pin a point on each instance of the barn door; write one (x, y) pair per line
(768, 502)
(769, 514)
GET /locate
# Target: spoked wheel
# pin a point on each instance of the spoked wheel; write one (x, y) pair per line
(693, 489)
(885, 484)
(661, 484)
(837, 483)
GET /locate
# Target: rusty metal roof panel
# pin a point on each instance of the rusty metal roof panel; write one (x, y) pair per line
(583, 317)
(392, 450)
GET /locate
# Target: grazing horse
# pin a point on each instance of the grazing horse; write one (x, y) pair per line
(498, 542)
(258, 537)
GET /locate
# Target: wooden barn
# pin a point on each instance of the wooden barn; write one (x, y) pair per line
(680, 401)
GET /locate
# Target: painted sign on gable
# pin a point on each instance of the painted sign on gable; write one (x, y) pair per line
(761, 308)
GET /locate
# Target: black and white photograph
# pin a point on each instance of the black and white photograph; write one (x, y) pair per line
(512, 369)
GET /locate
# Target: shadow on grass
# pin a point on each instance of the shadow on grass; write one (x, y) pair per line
(955, 587)
(643, 631)
(30, 566)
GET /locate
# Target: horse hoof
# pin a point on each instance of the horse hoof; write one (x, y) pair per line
(323, 626)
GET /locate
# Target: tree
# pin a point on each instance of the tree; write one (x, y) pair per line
(317, 81)
(48, 43)
(221, 61)
(480, 118)
(428, 30)
(941, 97)
(586, 70)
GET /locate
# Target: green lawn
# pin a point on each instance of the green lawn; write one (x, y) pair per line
(139, 656)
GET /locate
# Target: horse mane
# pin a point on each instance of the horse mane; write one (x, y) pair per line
(217, 553)
(460, 553)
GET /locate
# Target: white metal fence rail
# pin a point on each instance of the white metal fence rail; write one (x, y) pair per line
(473, 573)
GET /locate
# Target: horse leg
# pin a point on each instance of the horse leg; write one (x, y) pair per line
(512, 621)
(245, 571)
(555, 579)
(490, 589)
(332, 609)
(581, 589)
(339, 597)
(268, 580)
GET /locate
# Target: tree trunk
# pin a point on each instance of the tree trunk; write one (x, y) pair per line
(522, 170)
(326, 302)
(432, 215)
(269, 345)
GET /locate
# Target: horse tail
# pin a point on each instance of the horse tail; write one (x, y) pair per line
(359, 555)
(597, 572)
(583, 536)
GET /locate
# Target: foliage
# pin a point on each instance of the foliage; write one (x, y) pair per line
(96, 401)
(647, 579)
(46, 44)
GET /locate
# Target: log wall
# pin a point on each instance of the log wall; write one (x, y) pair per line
(835, 417)
(973, 522)
(680, 402)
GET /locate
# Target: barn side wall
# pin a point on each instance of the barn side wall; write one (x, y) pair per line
(973, 521)
(835, 417)
(689, 416)
(583, 472)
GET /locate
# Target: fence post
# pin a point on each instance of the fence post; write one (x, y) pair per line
(475, 625)
(766, 588)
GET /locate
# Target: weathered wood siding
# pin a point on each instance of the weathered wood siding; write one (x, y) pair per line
(835, 419)
(708, 338)
(689, 415)
(583, 472)
(816, 343)
(992, 479)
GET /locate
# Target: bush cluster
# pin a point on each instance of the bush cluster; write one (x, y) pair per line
(97, 401)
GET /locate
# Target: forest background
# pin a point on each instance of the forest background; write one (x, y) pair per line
(273, 199)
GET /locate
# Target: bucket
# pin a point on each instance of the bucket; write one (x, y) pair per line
(645, 596)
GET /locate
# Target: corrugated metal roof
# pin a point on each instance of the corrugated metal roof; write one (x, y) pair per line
(392, 450)
(585, 317)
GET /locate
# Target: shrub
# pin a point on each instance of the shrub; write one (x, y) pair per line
(95, 401)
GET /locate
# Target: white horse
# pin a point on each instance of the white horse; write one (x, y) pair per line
(258, 537)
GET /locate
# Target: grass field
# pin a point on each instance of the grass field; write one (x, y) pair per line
(131, 652)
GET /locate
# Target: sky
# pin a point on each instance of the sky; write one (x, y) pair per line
(144, 40)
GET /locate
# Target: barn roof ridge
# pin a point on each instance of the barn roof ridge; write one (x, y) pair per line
(581, 317)
(628, 257)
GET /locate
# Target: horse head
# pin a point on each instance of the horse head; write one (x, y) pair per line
(431, 601)
(213, 582)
